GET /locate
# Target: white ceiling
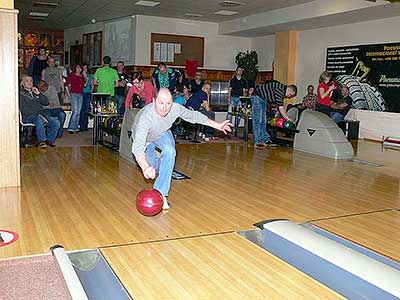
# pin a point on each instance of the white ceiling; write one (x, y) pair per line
(72, 13)
(254, 17)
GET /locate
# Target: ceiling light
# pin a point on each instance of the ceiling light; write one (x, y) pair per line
(189, 15)
(36, 18)
(147, 3)
(39, 3)
(38, 14)
(226, 12)
(229, 3)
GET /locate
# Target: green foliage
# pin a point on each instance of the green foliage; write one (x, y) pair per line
(249, 62)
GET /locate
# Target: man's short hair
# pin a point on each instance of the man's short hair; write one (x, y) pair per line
(293, 88)
(107, 60)
(121, 62)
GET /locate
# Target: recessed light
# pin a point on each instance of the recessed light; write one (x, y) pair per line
(147, 3)
(226, 12)
(38, 14)
(40, 3)
(189, 15)
(228, 3)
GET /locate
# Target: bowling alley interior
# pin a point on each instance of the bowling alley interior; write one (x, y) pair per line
(193, 150)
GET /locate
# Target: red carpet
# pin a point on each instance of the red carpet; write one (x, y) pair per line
(32, 278)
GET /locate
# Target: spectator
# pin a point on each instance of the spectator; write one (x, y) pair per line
(53, 109)
(182, 94)
(30, 104)
(237, 88)
(86, 97)
(324, 92)
(310, 100)
(37, 64)
(196, 83)
(106, 79)
(200, 101)
(164, 77)
(340, 109)
(75, 79)
(121, 88)
(144, 89)
(53, 76)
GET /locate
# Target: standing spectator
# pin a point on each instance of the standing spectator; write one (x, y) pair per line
(164, 77)
(86, 97)
(237, 88)
(75, 79)
(270, 92)
(53, 76)
(53, 109)
(106, 79)
(38, 63)
(30, 104)
(324, 92)
(196, 83)
(121, 88)
(144, 89)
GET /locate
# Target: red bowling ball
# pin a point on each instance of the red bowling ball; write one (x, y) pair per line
(280, 122)
(149, 202)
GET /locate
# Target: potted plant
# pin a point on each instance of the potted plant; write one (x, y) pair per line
(249, 62)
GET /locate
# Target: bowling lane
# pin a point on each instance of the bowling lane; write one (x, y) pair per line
(222, 266)
(379, 232)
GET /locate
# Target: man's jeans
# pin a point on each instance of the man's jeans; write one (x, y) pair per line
(259, 111)
(60, 115)
(235, 102)
(40, 123)
(120, 102)
(164, 164)
(76, 106)
(337, 116)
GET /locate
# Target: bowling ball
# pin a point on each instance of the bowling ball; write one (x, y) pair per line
(279, 122)
(273, 121)
(288, 124)
(149, 202)
(106, 121)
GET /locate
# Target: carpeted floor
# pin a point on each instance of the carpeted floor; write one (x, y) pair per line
(32, 278)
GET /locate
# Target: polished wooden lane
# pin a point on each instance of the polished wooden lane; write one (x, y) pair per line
(379, 231)
(84, 197)
(222, 266)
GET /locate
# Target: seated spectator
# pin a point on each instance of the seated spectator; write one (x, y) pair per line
(200, 102)
(144, 89)
(164, 77)
(30, 104)
(196, 83)
(324, 92)
(310, 100)
(54, 108)
(182, 93)
(340, 109)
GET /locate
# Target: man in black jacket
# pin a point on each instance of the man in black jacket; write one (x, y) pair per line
(30, 105)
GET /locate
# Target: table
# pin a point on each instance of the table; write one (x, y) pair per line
(97, 130)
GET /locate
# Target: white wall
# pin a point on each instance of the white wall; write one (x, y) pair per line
(219, 52)
(265, 48)
(312, 45)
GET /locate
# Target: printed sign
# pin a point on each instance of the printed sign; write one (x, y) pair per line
(7, 237)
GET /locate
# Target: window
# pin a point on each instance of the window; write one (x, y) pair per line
(92, 48)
